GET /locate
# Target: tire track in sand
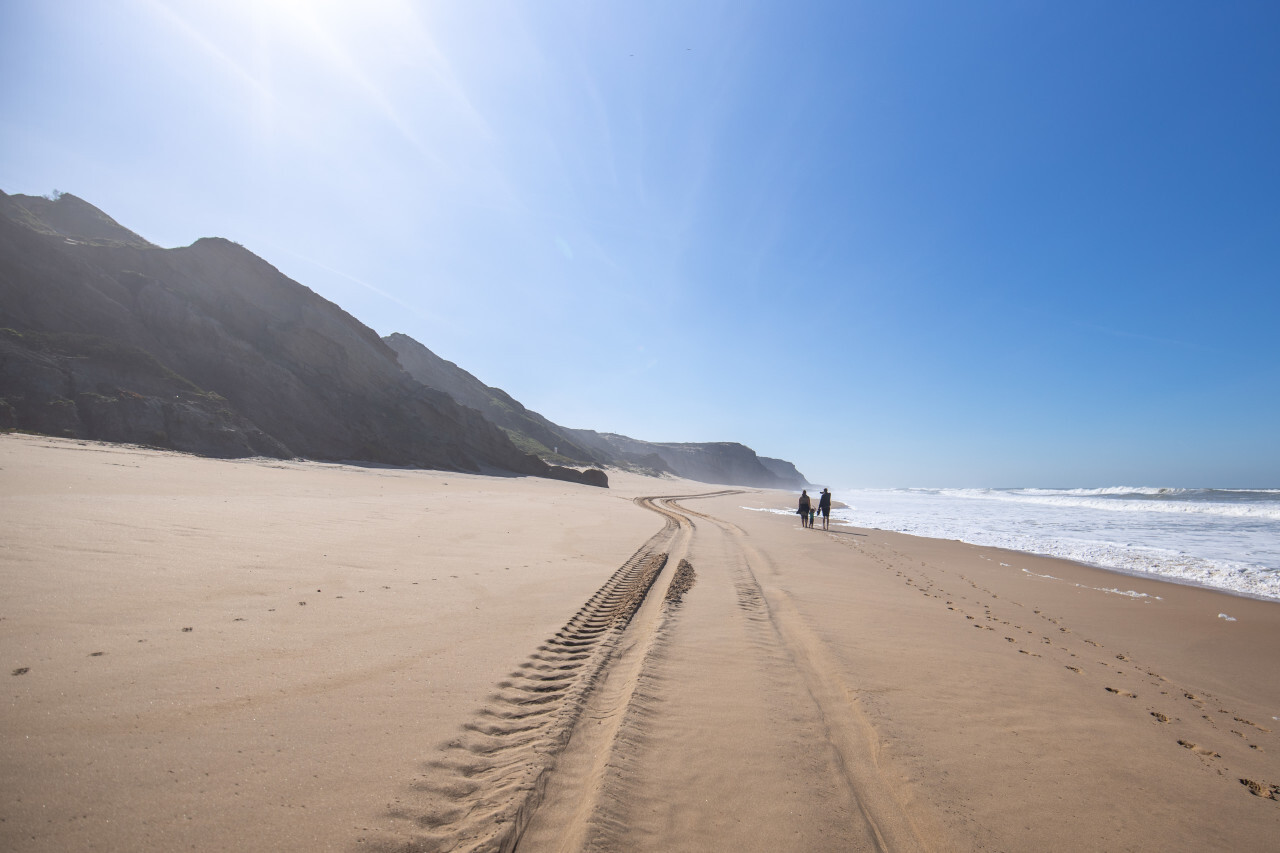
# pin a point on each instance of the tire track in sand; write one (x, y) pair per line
(575, 795)
(480, 793)
(886, 807)
(724, 727)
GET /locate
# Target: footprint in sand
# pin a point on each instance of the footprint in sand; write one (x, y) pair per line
(1262, 789)
(1119, 692)
(1198, 750)
(22, 670)
(1161, 717)
(1249, 723)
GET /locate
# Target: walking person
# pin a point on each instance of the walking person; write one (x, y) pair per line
(804, 507)
(824, 508)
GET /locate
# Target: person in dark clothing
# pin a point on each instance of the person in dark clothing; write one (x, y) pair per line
(824, 508)
(804, 507)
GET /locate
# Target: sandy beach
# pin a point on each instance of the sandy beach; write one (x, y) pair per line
(266, 655)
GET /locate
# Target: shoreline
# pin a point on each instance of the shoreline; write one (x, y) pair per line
(1216, 543)
(216, 653)
(1168, 579)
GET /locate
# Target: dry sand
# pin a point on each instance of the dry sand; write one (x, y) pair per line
(262, 655)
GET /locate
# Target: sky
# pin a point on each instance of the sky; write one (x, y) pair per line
(971, 244)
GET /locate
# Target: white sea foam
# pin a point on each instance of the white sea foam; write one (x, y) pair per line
(1124, 593)
(1127, 593)
(1225, 539)
(1131, 499)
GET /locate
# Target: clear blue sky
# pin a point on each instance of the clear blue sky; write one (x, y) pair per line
(898, 243)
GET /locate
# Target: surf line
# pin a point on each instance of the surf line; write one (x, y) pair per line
(1126, 593)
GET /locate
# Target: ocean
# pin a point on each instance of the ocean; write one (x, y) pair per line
(1227, 539)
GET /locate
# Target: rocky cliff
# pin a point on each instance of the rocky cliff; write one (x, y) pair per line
(209, 349)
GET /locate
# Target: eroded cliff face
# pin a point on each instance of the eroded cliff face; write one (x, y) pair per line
(87, 386)
(210, 349)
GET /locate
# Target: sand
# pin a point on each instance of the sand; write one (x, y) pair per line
(265, 655)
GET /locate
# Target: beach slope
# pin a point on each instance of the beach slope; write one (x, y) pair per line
(265, 654)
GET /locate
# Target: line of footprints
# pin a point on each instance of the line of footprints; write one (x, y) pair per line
(1055, 639)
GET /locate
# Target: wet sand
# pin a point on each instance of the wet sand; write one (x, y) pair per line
(255, 654)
